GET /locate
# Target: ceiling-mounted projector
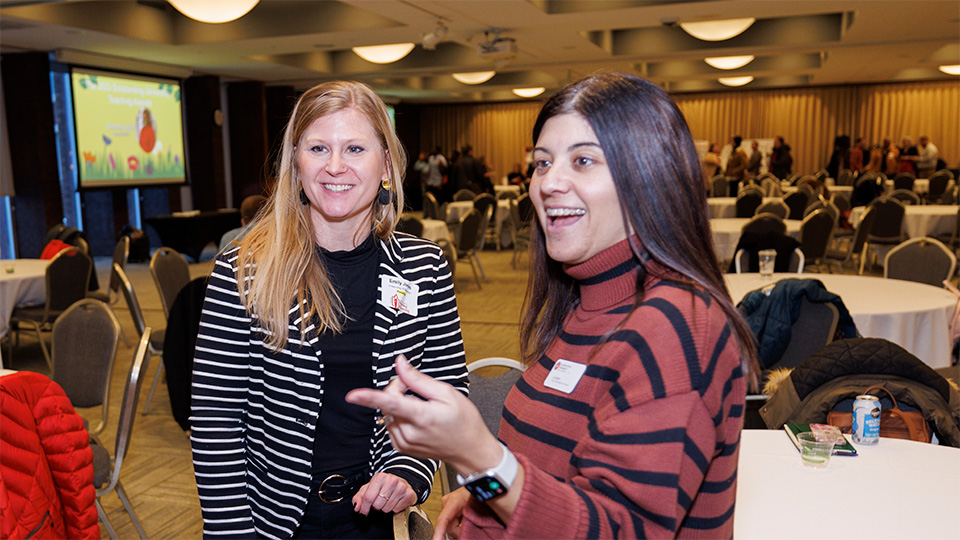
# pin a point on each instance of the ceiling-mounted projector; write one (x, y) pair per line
(497, 49)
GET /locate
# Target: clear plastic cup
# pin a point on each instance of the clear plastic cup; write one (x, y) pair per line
(815, 453)
(767, 258)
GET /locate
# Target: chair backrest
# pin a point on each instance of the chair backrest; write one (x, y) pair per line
(771, 186)
(431, 210)
(777, 208)
(171, 273)
(128, 409)
(938, 183)
(904, 180)
(719, 186)
(485, 203)
(949, 196)
(507, 194)
(412, 524)
(815, 233)
(748, 202)
(797, 202)
(67, 279)
(83, 347)
(741, 262)
(464, 195)
(471, 231)
(524, 210)
(888, 223)
(863, 230)
(130, 296)
(410, 225)
(765, 223)
(845, 177)
(842, 203)
(450, 254)
(906, 196)
(814, 329)
(924, 260)
(120, 255)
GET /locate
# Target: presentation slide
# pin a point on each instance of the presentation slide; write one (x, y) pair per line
(129, 129)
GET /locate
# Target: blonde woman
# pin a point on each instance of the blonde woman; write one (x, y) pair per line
(318, 299)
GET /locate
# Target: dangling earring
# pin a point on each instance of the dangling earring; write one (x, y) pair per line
(384, 196)
(304, 200)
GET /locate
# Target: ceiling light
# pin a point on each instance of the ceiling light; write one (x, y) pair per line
(475, 77)
(429, 41)
(735, 81)
(951, 70)
(384, 54)
(729, 62)
(529, 92)
(717, 30)
(214, 11)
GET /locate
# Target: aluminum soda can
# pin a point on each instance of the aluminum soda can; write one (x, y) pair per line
(866, 420)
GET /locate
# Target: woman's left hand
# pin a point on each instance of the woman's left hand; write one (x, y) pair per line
(384, 492)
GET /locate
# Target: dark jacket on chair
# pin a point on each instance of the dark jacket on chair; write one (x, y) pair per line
(771, 316)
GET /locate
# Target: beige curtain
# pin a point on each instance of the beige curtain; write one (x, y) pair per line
(807, 118)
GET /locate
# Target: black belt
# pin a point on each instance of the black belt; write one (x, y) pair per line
(336, 487)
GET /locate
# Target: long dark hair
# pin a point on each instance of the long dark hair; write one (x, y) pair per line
(656, 172)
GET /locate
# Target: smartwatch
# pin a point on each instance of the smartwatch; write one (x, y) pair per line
(495, 482)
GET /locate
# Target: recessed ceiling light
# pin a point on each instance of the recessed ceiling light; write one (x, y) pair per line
(384, 54)
(214, 11)
(529, 92)
(476, 77)
(951, 70)
(735, 81)
(729, 62)
(717, 30)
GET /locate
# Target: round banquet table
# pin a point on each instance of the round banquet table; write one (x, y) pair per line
(925, 220)
(25, 285)
(913, 315)
(726, 207)
(779, 498)
(457, 209)
(435, 230)
(726, 234)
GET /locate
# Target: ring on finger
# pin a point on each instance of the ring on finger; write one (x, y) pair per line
(385, 420)
(384, 496)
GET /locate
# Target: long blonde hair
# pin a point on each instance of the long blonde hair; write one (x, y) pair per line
(280, 248)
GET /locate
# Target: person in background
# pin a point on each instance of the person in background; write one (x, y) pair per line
(438, 168)
(856, 156)
(891, 158)
(756, 159)
(710, 164)
(249, 209)
(781, 162)
(422, 167)
(908, 157)
(515, 177)
(486, 175)
(840, 158)
(627, 421)
(318, 299)
(927, 159)
(876, 159)
(737, 164)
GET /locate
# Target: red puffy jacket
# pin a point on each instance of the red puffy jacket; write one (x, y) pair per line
(46, 474)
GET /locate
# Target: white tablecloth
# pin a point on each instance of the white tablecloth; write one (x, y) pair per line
(509, 187)
(457, 209)
(839, 189)
(896, 489)
(920, 185)
(912, 315)
(925, 220)
(435, 230)
(726, 207)
(726, 234)
(26, 285)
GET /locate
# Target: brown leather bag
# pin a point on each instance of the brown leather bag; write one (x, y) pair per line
(894, 423)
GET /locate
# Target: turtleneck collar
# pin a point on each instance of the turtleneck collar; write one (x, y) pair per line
(607, 278)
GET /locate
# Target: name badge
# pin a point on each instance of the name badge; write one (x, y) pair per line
(399, 294)
(565, 376)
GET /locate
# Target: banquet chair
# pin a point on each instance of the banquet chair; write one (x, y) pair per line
(816, 231)
(431, 210)
(764, 223)
(486, 204)
(171, 273)
(855, 246)
(719, 186)
(488, 395)
(130, 296)
(797, 202)
(120, 254)
(507, 194)
(523, 215)
(887, 229)
(777, 208)
(66, 280)
(904, 180)
(814, 328)
(471, 239)
(748, 202)
(846, 177)
(742, 264)
(937, 184)
(770, 186)
(106, 468)
(923, 259)
(464, 195)
(906, 196)
(83, 347)
(949, 196)
(410, 225)
(412, 524)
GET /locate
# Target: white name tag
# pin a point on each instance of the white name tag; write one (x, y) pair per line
(565, 375)
(399, 294)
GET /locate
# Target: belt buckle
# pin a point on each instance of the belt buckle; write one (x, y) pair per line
(325, 480)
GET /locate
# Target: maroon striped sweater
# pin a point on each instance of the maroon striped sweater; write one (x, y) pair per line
(646, 445)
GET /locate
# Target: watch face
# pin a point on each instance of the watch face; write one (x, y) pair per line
(486, 488)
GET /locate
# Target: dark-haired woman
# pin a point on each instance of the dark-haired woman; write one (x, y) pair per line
(627, 421)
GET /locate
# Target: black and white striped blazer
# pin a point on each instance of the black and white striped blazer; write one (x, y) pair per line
(254, 410)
